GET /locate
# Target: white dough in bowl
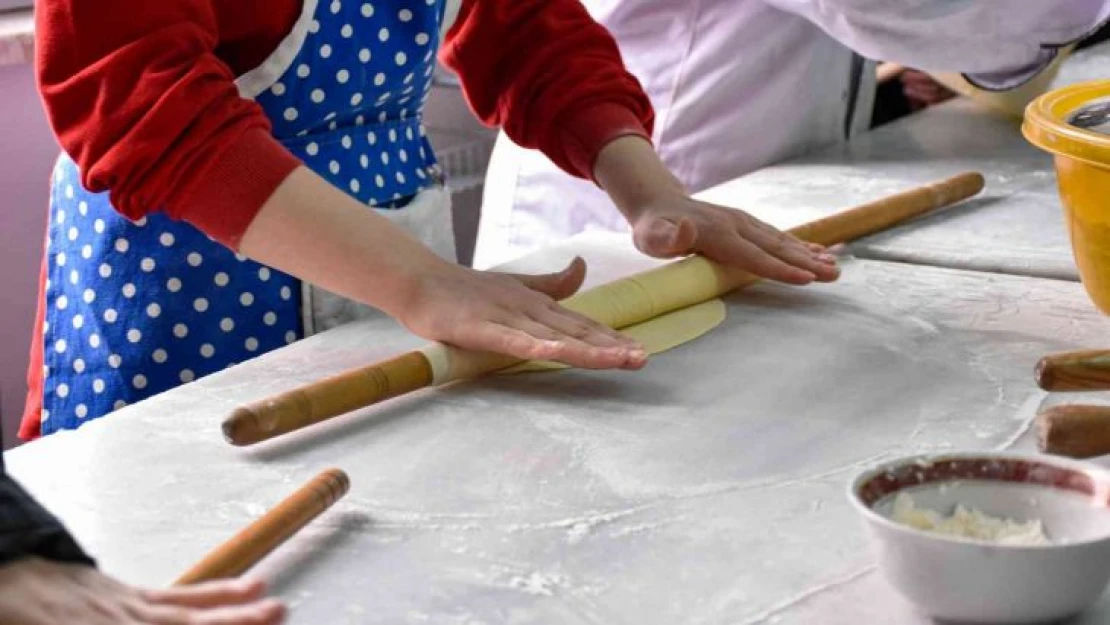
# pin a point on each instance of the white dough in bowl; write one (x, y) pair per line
(969, 523)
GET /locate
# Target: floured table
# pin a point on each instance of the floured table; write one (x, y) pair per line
(708, 488)
(1016, 226)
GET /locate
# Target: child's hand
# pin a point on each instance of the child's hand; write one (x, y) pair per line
(666, 222)
(676, 225)
(515, 315)
(316, 232)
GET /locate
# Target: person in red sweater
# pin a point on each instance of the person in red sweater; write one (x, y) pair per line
(217, 153)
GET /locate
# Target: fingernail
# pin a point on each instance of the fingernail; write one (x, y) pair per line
(827, 258)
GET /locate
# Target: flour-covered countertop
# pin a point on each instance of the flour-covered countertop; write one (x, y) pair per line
(708, 488)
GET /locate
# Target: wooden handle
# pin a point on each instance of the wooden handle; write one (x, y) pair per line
(1074, 431)
(1087, 370)
(890, 211)
(621, 303)
(327, 398)
(258, 539)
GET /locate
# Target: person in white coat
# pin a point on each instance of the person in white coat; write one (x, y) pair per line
(738, 85)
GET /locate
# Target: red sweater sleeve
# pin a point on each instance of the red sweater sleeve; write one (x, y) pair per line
(138, 98)
(549, 75)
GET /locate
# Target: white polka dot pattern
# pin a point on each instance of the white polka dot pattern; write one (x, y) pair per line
(369, 57)
(138, 308)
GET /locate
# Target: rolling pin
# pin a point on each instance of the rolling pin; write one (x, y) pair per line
(1074, 431)
(618, 304)
(258, 539)
(1087, 370)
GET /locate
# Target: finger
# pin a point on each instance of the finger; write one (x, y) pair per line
(266, 612)
(789, 249)
(816, 250)
(581, 327)
(209, 594)
(813, 266)
(515, 342)
(588, 351)
(557, 286)
(730, 248)
(663, 238)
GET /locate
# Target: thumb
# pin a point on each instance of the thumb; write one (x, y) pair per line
(663, 238)
(560, 285)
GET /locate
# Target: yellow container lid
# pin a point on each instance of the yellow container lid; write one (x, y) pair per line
(1047, 123)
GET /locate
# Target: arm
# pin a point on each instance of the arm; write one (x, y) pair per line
(556, 82)
(553, 79)
(999, 44)
(136, 94)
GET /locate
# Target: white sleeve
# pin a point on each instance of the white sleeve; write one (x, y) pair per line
(998, 44)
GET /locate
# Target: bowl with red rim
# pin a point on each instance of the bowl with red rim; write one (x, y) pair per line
(969, 580)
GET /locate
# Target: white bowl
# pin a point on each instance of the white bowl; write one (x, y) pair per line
(968, 581)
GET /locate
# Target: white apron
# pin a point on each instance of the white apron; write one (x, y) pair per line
(427, 217)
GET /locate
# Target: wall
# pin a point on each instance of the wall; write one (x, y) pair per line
(25, 161)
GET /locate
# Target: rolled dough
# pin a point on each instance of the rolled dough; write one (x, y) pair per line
(656, 335)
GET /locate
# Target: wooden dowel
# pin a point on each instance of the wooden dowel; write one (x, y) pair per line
(327, 398)
(1074, 431)
(257, 540)
(689, 281)
(1087, 370)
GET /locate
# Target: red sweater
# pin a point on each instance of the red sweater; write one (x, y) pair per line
(141, 95)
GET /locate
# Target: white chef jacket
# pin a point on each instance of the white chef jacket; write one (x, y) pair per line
(740, 84)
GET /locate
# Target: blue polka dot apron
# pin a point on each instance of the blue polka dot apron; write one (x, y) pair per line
(135, 309)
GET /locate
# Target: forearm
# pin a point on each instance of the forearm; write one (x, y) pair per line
(555, 82)
(633, 175)
(319, 234)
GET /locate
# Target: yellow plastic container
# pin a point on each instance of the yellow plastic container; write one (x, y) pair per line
(1083, 176)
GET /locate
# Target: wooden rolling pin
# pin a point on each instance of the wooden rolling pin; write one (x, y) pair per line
(1074, 371)
(618, 304)
(1074, 431)
(258, 539)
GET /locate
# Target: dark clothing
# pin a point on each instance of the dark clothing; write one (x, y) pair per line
(28, 530)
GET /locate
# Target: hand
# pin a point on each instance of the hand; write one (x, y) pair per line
(318, 233)
(666, 222)
(37, 592)
(676, 225)
(515, 315)
(921, 90)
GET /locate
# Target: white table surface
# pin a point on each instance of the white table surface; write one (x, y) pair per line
(708, 488)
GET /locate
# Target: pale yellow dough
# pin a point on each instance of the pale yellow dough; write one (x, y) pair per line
(658, 334)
